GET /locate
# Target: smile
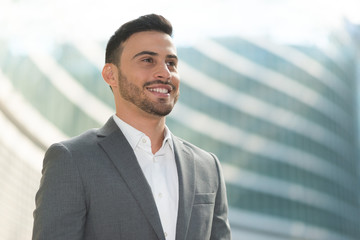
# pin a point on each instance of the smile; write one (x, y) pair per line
(159, 90)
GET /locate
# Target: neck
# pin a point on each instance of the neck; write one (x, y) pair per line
(151, 125)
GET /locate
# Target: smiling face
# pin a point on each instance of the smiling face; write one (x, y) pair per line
(147, 73)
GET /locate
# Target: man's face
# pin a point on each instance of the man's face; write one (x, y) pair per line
(148, 76)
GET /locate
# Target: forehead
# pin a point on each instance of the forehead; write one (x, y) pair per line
(154, 41)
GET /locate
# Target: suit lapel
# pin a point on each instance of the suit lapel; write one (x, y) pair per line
(122, 155)
(186, 172)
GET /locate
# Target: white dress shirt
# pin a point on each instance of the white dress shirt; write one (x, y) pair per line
(160, 172)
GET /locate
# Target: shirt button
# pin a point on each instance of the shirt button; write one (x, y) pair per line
(144, 140)
(160, 195)
(154, 159)
(165, 234)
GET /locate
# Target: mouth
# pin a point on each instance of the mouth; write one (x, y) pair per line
(162, 90)
(159, 90)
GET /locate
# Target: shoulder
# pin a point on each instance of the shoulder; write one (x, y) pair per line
(195, 149)
(85, 141)
(201, 157)
(88, 137)
(203, 164)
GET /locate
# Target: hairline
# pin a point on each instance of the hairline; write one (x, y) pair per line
(118, 51)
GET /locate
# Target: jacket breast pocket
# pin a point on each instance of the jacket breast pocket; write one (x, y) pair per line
(204, 198)
(202, 216)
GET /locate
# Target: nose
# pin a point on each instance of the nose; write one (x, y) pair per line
(162, 72)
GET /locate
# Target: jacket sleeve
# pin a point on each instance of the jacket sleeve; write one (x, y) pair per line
(60, 201)
(220, 226)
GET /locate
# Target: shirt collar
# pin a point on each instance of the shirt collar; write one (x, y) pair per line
(133, 136)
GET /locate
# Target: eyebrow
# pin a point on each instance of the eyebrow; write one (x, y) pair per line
(153, 54)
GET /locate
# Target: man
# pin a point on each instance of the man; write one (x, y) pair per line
(132, 179)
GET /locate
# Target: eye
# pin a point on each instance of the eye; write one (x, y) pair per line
(148, 60)
(171, 63)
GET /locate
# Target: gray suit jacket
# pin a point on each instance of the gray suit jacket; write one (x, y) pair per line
(92, 187)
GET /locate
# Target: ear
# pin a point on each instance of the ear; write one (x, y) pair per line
(109, 74)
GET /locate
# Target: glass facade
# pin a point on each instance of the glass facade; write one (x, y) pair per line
(281, 119)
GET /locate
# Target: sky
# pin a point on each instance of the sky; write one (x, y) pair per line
(290, 21)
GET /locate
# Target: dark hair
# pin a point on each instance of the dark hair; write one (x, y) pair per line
(151, 22)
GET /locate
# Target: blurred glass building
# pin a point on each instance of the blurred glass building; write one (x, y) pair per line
(282, 120)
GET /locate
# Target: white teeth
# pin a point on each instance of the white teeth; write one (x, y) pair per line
(159, 90)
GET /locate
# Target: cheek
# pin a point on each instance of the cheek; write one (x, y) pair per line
(137, 78)
(176, 80)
